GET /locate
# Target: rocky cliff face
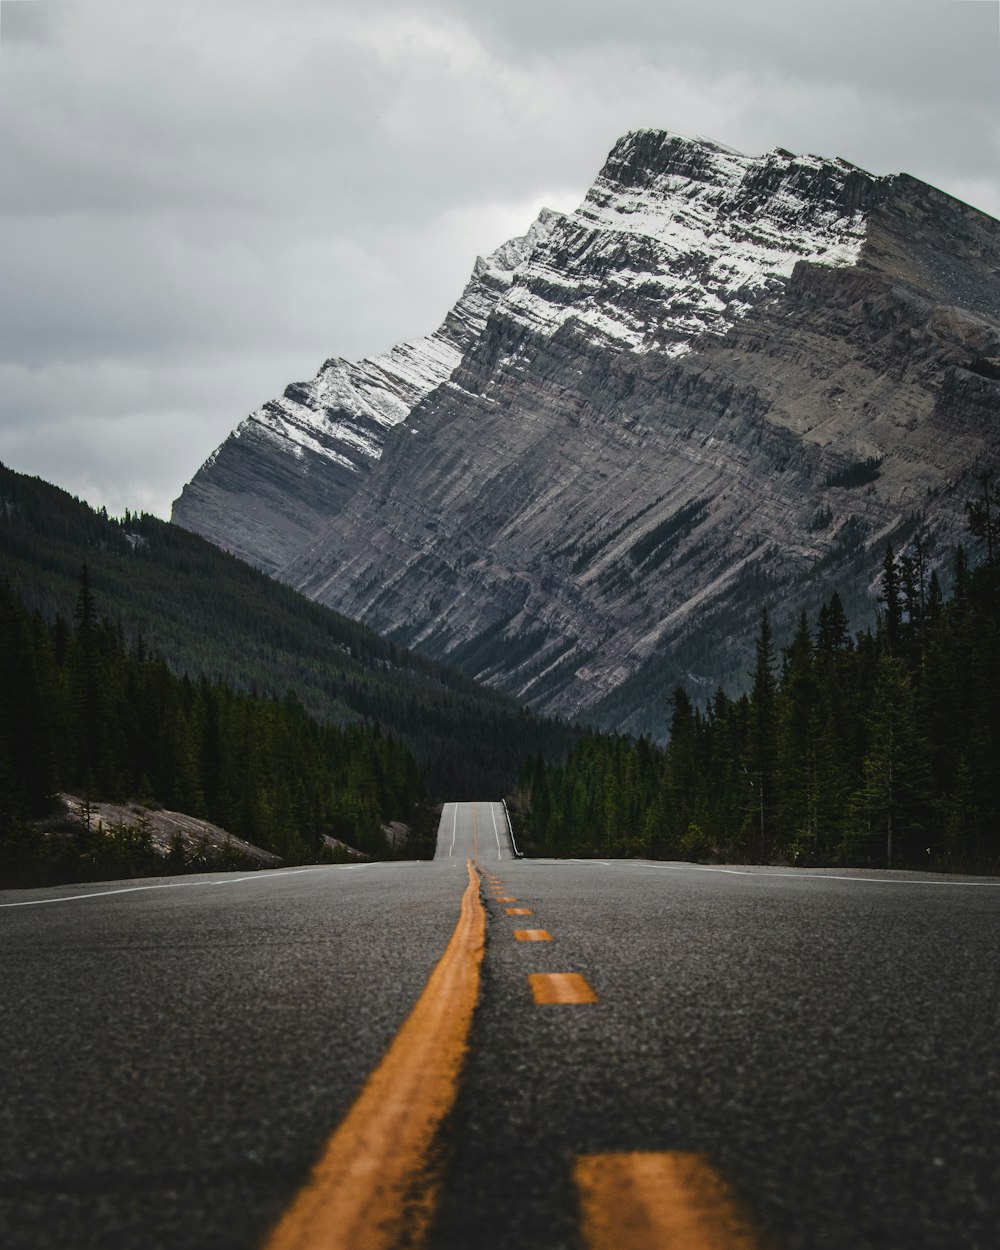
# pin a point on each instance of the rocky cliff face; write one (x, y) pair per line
(270, 490)
(722, 381)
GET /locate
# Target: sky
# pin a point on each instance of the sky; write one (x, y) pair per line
(202, 200)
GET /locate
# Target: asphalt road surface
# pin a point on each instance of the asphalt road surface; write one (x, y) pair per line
(175, 1053)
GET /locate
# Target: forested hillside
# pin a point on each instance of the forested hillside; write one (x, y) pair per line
(80, 711)
(881, 748)
(158, 669)
(205, 613)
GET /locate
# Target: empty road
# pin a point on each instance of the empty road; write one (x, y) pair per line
(819, 1046)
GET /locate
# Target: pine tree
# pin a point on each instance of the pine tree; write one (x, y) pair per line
(761, 750)
(891, 803)
(983, 516)
(892, 618)
(832, 635)
(681, 770)
(89, 689)
(797, 774)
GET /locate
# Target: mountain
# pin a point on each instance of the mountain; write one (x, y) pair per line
(723, 382)
(269, 491)
(208, 613)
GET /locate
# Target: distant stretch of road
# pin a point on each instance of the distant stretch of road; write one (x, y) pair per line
(529, 1053)
(477, 831)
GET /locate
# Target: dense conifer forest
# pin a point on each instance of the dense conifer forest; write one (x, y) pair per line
(82, 711)
(881, 748)
(140, 664)
(175, 675)
(206, 613)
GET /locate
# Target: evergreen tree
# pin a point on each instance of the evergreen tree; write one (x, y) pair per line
(983, 515)
(761, 750)
(798, 766)
(892, 618)
(832, 635)
(891, 803)
(682, 781)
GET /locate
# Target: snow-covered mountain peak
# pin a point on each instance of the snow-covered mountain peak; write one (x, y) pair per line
(333, 428)
(678, 237)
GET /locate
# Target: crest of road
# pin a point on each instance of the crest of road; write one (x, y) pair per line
(490, 1051)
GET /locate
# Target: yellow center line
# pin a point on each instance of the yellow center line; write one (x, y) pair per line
(560, 987)
(505, 898)
(519, 911)
(532, 935)
(371, 1189)
(663, 1201)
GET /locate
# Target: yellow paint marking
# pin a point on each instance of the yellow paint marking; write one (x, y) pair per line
(371, 1189)
(532, 935)
(505, 898)
(560, 987)
(519, 911)
(668, 1201)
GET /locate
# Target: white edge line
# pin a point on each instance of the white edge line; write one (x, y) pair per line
(454, 829)
(173, 885)
(762, 872)
(496, 831)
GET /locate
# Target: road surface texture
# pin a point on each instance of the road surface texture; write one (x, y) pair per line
(175, 1054)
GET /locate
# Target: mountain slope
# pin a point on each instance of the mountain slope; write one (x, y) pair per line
(272, 486)
(208, 613)
(724, 380)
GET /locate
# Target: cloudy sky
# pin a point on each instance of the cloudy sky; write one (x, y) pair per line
(203, 199)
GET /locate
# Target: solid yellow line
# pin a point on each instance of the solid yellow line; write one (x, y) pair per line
(371, 1189)
(532, 935)
(560, 987)
(664, 1201)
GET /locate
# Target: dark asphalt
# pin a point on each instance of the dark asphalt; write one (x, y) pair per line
(831, 1045)
(173, 1059)
(476, 831)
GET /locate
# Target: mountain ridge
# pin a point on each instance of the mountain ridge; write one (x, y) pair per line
(669, 414)
(336, 423)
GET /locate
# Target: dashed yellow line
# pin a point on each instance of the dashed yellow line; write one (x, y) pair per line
(371, 1189)
(560, 987)
(662, 1201)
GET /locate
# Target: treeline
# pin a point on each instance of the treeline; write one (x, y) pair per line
(206, 612)
(873, 749)
(83, 711)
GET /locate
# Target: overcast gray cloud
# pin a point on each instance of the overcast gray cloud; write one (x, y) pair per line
(202, 201)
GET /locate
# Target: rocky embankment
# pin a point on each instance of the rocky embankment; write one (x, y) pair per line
(191, 839)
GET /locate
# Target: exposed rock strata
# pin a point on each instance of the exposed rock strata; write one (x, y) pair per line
(722, 381)
(273, 485)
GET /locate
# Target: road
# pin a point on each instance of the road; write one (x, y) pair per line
(176, 1053)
